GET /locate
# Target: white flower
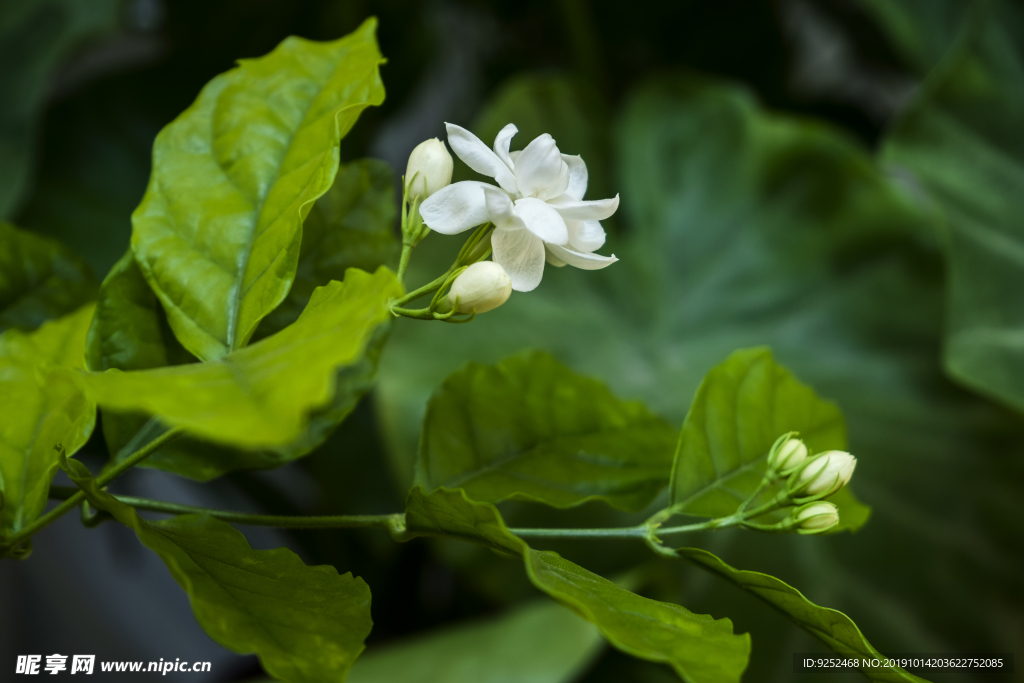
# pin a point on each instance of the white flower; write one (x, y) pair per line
(826, 473)
(791, 453)
(429, 169)
(537, 207)
(816, 517)
(480, 288)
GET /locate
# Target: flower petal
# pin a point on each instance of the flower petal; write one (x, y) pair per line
(501, 143)
(542, 220)
(538, 166)
(457, 207)
(581, 260)
(479, 158)
(500, 210)
(573, 209)
(578, 176)
(585, 236)
(559, 186)
(521, 254)
(551, 258)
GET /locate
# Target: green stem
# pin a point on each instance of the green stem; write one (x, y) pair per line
(102, 480)
(639, 531)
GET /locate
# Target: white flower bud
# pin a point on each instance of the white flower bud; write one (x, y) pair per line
(825, 474)
(788, 456)
(481, 287)
(429, 169)
(815, 518)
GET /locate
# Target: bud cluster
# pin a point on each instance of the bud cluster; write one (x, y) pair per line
(806, 479)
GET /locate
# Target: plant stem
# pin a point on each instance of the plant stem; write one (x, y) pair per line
(102, 480)
(638, 531)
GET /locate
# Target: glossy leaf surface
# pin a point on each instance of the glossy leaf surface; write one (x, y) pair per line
(42, 405)
(218, 232)
(531, 429)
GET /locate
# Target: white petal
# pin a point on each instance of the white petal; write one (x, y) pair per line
(580, 260)
(514, 154)
(559, 186)
(457, 207)
(499, 209)
(478, 157)
(551, 258)
(538, 166)
(501, 143)
(578, 176)
(585, 236)
(521, 254)
(574, 210)
(542, 220)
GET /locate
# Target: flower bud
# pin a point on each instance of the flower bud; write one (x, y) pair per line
(790, 454)
(823, 475)
(480, 288)
(430, 168)
(815, 518)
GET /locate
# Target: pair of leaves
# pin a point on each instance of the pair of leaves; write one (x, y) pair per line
(42, 406)
(305, 623)
(698, 647)
(262, 396)
(349, 227)
(531, 429)
(40, 279)
(218, 233)
(740, 409)
(962, 143)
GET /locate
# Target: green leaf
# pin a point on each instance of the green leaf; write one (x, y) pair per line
(41, 405)
(350, 226)
(834, 629)
(963, 144)
(540, 642)
(740, 409)
(40, 279)
(35, 35)
(698, 647)
(262, 396)
(531, 429)
(218, 232)
(306, 624)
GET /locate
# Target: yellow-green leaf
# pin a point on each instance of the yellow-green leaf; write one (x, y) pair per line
(218, 231)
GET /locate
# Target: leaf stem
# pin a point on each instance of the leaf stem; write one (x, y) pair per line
(74, 500)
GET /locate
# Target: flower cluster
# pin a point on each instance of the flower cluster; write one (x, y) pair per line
(809, 480)
(537, 206)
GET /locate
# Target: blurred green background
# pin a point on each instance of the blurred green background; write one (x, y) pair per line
(842, 180)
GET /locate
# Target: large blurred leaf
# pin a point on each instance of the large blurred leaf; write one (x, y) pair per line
(41, 406)
(747, 229)
(218, 232)
(307, 624)
(262, 395)
(539, 642)
(699, 648)
(963, 142)
(743, 405)
(531, 429)
(834, 629)
(40, 279)
(34, 36)
(349, 227)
